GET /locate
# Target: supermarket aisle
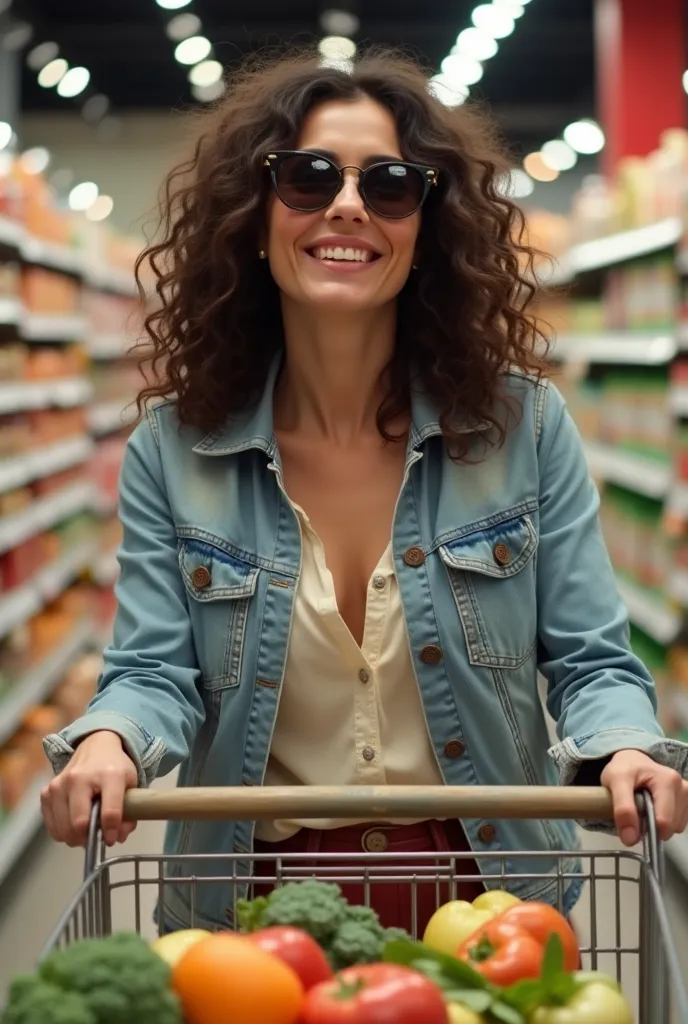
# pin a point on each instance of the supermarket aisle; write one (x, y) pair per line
(32, 905)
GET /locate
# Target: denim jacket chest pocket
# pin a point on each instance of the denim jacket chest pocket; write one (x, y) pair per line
(492, 576)
(220, 588)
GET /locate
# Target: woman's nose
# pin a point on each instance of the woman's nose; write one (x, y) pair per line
(348, 201)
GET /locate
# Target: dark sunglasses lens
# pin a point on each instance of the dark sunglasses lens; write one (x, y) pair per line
(394, 190)
(306, 181)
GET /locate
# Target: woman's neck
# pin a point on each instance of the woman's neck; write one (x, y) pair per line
(332, 381)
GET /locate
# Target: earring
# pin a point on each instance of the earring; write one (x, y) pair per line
(414, 266)
(262, 255)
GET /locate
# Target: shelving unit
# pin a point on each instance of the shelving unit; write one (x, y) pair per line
(628, 469)
(648, 349)
(110, 416)
(34, 465)
(45, 513)
(654, 615)
(21, 826)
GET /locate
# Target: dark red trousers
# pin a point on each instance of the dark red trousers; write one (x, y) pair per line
(394, 902)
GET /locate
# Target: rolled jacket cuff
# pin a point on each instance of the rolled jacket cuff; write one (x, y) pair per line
(146, 751)
(571, 754)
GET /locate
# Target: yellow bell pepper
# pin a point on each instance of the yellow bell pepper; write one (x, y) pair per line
(456, 921)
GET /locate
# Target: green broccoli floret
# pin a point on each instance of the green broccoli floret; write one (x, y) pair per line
(360, 939)
(33, 1001)
(316, 907)
(120, 979)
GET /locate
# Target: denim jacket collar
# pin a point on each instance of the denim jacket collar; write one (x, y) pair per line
(253, 428)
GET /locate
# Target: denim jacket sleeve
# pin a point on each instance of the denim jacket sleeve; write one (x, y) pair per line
(599, 693)
(148, 692)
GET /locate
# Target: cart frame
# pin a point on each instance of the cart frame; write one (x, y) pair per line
(649, 960)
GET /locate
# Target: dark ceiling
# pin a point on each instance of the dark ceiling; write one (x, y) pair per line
(541, 78)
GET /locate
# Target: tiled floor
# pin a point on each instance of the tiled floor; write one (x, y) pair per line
(38, 892)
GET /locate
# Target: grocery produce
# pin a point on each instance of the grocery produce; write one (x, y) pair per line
(298, 950)
(172, 947)
(116, 980)
(511, 946)
(375, 994)
(595, 1002)
(227, 979)
(456, 921)
(460, 1014)
(349, 935)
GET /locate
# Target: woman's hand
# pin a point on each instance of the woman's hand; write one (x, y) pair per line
(631, 770)
(99, 767)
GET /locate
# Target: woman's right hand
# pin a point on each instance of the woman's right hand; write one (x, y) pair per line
(99, 767)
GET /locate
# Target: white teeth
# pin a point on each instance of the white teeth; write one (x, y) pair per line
(337, 252)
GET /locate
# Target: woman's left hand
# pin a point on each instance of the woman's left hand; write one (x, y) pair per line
(631, 770)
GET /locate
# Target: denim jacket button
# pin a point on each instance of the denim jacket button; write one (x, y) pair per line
(454, 749)
(414, 557)
(431, 655)
(487, 833)
(201, 577)
(502, 555)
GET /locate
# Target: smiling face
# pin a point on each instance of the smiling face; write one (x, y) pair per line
(343, 258)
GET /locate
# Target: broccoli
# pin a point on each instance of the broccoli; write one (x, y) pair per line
(349, 935)
(120, 980)
(316, 907)
(33, 1001)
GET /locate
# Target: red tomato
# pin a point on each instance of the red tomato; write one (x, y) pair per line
(296, 949)
(375, 994)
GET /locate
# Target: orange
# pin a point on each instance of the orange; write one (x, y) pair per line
(226, 979)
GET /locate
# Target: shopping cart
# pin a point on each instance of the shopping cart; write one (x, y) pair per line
(622, 919)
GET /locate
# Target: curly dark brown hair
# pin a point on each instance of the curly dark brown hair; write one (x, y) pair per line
(463, 315)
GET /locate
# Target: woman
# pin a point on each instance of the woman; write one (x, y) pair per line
(361, 521)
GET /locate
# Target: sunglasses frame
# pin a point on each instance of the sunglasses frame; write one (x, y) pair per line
(274, 160)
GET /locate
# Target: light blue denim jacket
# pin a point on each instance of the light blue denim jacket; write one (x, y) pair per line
(194, 674)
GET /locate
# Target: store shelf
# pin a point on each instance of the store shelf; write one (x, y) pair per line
(109, 346)
(11, 312)
(20, 827)
(650, 613)
(680, 705)
(677, 852)
(678, 586)
(52, 255)
(45, 513)
(10, 233)
(106, 569)
(23, 469)
(111, 279)
(620, 347)
(39, 327)
(38, 684)
(637, 472)
(110, 417)
(627, 245)
(678, 400)
(16, 397)
(22, 603)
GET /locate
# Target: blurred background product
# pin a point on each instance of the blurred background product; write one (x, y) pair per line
(94, 104)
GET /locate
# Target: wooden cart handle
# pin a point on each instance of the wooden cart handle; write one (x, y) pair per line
(369, 803)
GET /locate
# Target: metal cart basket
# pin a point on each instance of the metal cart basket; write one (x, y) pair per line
(622, 920)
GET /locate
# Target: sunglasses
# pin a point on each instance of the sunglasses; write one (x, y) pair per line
(309, 181)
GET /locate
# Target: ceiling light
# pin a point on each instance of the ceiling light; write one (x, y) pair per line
(35, 160)
(193, 50)
(84, 195)
(475, 43)
(536, 167)
(515, 184)
(208, 93)
(95, 108)
(585, 136)
(16, 37)
(337, 48)
(515, 7)
(6, 134)
(338, 64)
(172, 5)
(685, 80)
(53, 72)
(42, 55)
(101, 208)
(182, 26)
(495, 20)
(459, 70)
(339, 23)
(451, 94)
(74, 82)
(206, 73)
(61, 180)
(558, 155)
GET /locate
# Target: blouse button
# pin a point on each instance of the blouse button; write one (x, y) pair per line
(368, 754)
(364, 675)
(379, 582)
